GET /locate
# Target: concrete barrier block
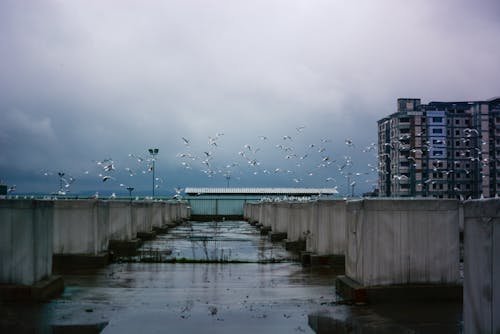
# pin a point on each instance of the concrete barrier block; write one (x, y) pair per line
(396, 241)
(482, 266)
(328, 228)
(25, 241)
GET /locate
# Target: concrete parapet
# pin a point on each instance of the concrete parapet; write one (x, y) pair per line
(402, 241)
(282, 216)
(299, 222)
(157, 214)
(267, 214)
(81, 227)
(120, 220)
(141, 217)
(482, 266)
(26, 241)
(327, 228)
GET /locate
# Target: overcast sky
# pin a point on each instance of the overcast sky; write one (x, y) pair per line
(85, 81)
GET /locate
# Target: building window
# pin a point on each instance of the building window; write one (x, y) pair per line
(437, 119)
(438, 153)
(457, 121)
(457, 143)
(437, 130)
(457, 132)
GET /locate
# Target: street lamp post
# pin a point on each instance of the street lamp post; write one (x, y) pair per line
(130, 189)
(153, 152)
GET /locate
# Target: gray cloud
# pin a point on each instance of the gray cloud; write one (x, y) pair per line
(85, 81)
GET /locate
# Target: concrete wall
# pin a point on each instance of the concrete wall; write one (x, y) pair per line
(299, 220)
(398, 241)
(482, 266)
(25, 241)
(327, 228)
(282, 217)
(142, 217)
(267, 214)
(120, 220)
(157, 214)
(80, 227)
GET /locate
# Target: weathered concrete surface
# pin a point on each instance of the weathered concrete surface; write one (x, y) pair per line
(120, 220)
(482, 266)
(142, 217)
(26, 241)
(267, 214)
(403, 241)
(328, 228)
(282, 217)
(299, 221)
(80, 227)
(157, 214)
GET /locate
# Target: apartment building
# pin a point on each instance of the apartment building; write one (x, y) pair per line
(440, 149)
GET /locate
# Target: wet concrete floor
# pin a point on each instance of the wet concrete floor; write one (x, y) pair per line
(254, 297)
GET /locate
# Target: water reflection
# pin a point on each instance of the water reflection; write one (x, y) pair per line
(226, 241)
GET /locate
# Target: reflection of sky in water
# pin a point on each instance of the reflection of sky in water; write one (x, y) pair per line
(216, 241)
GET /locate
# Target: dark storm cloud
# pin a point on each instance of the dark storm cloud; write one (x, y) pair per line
(84, 81)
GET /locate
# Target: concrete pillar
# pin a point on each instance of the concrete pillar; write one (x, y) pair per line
(482, 266)
(266, 214)
(402, 241)
(247, 208)
(26, 241)
(157, 214)
(282, 217)
(167, 214)
(184, 210)
(120, 220)
(299, 220)
(141, 217)
(80, 227)
(328, 228)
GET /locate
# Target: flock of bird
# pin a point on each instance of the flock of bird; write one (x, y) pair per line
(286, 158)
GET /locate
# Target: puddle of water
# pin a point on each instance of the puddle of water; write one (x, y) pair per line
(228, 241)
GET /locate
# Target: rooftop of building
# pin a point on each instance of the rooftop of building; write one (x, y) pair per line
(260, 191)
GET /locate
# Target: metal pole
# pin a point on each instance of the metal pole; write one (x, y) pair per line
(153, 152)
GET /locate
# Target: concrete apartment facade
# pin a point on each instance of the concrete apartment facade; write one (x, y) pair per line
(440, 149)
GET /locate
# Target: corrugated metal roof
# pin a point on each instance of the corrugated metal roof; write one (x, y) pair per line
(263, 191)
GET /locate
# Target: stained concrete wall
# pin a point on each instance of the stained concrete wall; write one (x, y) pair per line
(80, 227)
(282, 217)
(184, 210)
(299, 220)
(142, 217)
(482, 266)
(157, 214)
(120, 220)
(327, 228)
(267, 214)
(25, 241)
(402, 241)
